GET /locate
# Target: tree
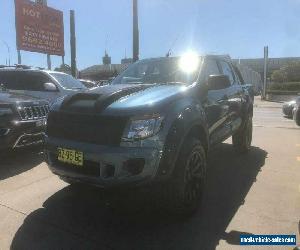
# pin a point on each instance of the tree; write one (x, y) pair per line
(288, 73)
(292, 71)
(65, 68)
(278, 76)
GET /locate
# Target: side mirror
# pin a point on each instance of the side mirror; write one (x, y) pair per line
(216, 82)
(49, 86)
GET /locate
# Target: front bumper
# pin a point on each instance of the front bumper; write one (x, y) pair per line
(105, 166)
(17, 134)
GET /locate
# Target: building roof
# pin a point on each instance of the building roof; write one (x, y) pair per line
(96, 69)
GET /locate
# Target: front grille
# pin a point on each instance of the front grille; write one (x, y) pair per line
(86, 128)
(33, 112)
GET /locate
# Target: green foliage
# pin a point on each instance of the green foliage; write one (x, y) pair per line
(65, 68)
(286, 86)
(279, 76)
(288, 73)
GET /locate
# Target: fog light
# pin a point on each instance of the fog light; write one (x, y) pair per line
(107, 171)
(134, 166)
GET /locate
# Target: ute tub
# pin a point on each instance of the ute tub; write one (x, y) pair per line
(104, 166)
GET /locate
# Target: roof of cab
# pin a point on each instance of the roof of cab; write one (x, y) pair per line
(9, 68)
(223, 57)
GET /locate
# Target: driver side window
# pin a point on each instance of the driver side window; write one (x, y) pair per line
(227, 71)
(210, 68)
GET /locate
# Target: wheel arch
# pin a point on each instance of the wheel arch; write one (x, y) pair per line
(198, 131)
(178, 133)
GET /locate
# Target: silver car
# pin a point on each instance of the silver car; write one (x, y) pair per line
(48, 85)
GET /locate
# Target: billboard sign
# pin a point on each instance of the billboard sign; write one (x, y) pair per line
(39, 28)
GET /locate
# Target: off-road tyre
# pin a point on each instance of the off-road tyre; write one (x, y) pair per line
(182, 195)
(242, 139)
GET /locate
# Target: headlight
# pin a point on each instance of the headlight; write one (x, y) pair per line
(142, 128)
(5, 111)
(292, 102)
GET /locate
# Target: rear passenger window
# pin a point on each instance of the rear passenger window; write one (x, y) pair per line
(34, 81)
(8, 79)
(226, 68)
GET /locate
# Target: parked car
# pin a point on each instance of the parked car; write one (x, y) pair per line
(89, 84)
(39, 83)
(154, 125)
(296, 111)
(287, 108)
(22, 120)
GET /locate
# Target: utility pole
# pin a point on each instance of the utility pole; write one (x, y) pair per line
(135, 44)
(8, 51)
(44, 2)
(266, 52)
(73, 43)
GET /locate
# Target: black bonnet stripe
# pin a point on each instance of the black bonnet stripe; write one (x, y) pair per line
(102, 101)
(105, 100)
(78, 96)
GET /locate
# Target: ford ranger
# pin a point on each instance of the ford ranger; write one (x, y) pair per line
(154, 125)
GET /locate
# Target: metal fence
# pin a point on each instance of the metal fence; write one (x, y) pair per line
(251, 77)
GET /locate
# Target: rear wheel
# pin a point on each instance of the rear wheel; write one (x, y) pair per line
(242, 139)
(184, 192)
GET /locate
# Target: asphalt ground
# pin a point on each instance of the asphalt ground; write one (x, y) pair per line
(257, 193)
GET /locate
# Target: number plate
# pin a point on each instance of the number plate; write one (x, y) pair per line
(70, 156)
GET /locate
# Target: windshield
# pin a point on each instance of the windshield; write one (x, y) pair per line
(165, 70)
(68, 81)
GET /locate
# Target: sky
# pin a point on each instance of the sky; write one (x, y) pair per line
(240, 28)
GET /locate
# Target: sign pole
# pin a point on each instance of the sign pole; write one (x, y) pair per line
(19, 57)
(49, 61)
(135, 44)
(73, 43)
(265, 72)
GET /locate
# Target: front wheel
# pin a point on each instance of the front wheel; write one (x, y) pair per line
(242, 139)
(184, 192)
